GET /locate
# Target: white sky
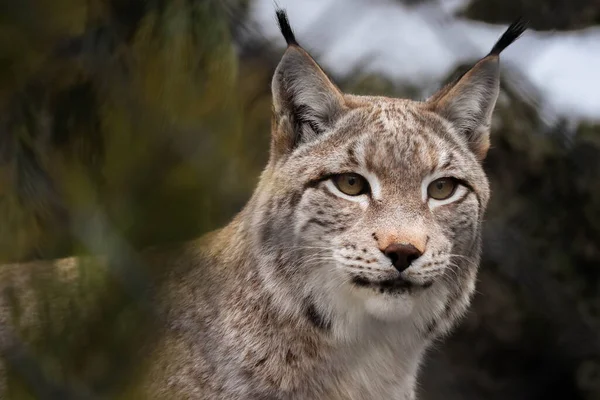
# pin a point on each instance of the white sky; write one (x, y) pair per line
(420, 45)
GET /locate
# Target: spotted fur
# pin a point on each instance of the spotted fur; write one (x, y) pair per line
(295, 298)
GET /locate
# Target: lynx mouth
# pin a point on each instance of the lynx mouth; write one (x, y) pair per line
(390, 286)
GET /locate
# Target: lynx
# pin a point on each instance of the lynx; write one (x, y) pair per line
(358, 249)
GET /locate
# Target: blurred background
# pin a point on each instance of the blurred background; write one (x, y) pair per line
(132, 123)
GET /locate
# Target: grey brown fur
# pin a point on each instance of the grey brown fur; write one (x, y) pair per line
(294, 299)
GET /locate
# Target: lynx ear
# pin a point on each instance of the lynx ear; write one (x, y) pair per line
(305, 101)
(469, 102)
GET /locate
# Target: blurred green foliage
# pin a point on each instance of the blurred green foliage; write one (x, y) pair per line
(120, 125)
(131, 107)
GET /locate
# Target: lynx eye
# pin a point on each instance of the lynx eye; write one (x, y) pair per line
(442, 188)
(351, 184)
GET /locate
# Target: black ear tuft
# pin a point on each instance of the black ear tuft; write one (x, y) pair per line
(513, 32)
(285, 28)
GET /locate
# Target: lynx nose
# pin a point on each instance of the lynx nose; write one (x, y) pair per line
(402, 255)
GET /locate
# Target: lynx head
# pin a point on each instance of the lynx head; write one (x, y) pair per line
(371, 207)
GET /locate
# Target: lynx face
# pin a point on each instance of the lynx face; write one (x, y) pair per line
(380, 213)
(371, 207)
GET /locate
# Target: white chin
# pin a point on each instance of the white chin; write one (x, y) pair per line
(387, 307)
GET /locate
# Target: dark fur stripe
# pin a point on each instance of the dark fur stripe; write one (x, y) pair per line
(314, 317)
(431, 328)
(267, 231)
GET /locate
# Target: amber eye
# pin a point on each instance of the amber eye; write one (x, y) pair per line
(351, 184)
(442, 188)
